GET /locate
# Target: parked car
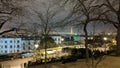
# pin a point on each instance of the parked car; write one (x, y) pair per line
(27, 54)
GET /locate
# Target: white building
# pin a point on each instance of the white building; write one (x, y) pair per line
(21, 44)
(57, 39)
(28, 43)
(10, 45)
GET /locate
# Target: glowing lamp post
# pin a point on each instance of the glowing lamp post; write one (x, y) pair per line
(105, 39)
(62, 39)
(36, 46)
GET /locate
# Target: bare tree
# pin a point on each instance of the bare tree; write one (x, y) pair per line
(88, 11)
(8, 9)
(111, 15)
(51, 16)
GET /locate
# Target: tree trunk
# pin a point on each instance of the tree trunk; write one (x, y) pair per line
(86, 44)
(118, 41)
(118, 33)
(45, 50)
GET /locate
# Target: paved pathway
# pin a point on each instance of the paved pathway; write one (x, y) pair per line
(17, 63)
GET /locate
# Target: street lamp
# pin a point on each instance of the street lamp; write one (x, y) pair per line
(62, 39)
(36, 46)
(105, 39)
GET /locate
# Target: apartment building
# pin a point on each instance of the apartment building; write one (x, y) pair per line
(29, 42)
(10, 45)
(22, 44)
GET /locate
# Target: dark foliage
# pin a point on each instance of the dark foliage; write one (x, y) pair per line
(50, 42)
(97, 54)
(80, 53)
(68, 59)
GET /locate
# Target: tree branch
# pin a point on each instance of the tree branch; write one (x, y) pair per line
(109, 6)
(6, 31)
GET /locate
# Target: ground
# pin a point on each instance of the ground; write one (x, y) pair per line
(108, 62)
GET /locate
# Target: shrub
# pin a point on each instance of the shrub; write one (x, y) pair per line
(112, 50)
(80, 53)
(97, 54)
(68, 59)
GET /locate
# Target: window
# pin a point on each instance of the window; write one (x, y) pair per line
(5, 51)
(18, 41)
(1, 51)
(1, 46)
(29, 43)
(10, 46)
(23, 43)
(5, 41)
(23, 48)
(58, 39)
(29, 48)
(18, 46)
(18, 51)
(10, 41)
(5, 46)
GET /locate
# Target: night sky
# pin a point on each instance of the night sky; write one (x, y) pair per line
(41, 5)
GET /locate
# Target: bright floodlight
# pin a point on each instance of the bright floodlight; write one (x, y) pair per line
(36, 45)
(105, 38)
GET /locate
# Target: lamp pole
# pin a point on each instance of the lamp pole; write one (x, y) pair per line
(105, 39)
(36, 46)
(62, 39)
